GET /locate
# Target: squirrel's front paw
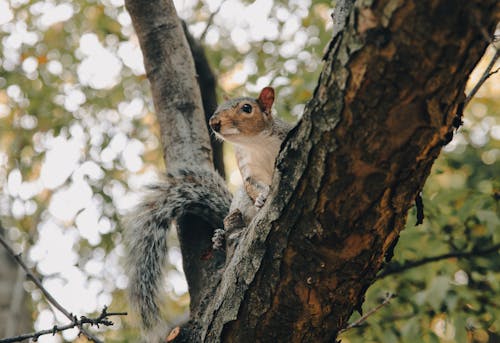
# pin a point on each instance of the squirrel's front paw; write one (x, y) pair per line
(219, 239)
(261, 198)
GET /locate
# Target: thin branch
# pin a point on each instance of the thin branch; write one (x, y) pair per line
(48, 296)
(210, 20)
(101, 320)
(486, 74)
(363, 318)
(395, 269)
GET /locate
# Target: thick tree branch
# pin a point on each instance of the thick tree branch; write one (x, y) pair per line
(396, 268)
(207, 82)
(178, 103)
(387, 96)
(171, 72)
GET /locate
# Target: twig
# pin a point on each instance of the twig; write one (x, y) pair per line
(48, 296)
(394, 268)
(363, 318)
(101, 320)
(210, 20)
(486, 74)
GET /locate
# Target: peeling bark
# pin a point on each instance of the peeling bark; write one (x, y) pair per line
(393, 79)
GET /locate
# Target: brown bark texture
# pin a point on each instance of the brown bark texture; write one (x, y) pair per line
(393, 80)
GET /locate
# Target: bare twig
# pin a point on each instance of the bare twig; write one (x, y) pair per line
(363, 318)
(486, 74)
(101, 320)
(47, 295)
(395, 269)
(210, 20)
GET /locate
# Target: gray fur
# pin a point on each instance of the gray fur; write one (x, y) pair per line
(280, 128)
(183, 191)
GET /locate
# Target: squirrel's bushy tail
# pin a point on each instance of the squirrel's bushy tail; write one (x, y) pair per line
(182, 192)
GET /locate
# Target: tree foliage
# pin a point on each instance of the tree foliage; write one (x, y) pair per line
(56, 106)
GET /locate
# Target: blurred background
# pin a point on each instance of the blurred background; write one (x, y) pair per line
(79, 138)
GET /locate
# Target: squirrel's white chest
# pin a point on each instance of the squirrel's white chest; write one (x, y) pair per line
(257, 156)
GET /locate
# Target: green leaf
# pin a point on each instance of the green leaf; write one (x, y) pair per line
(436, 292)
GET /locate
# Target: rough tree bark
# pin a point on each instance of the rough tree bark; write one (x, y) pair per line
(392, 82)
(207, 83)
(177, 98)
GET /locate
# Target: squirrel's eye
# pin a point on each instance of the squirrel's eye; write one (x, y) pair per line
(246, 108)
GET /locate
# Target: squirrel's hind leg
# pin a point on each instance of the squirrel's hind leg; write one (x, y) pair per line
(241, 212)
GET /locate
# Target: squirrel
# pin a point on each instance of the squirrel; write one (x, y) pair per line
(257, 137)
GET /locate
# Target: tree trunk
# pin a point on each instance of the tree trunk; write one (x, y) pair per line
(15, 314)
(393, 80)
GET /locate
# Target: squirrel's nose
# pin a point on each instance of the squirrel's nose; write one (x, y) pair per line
(214, 123)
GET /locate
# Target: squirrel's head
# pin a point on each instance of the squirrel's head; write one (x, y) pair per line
(238, 119)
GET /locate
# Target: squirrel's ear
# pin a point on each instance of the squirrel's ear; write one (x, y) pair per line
(266, 99)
